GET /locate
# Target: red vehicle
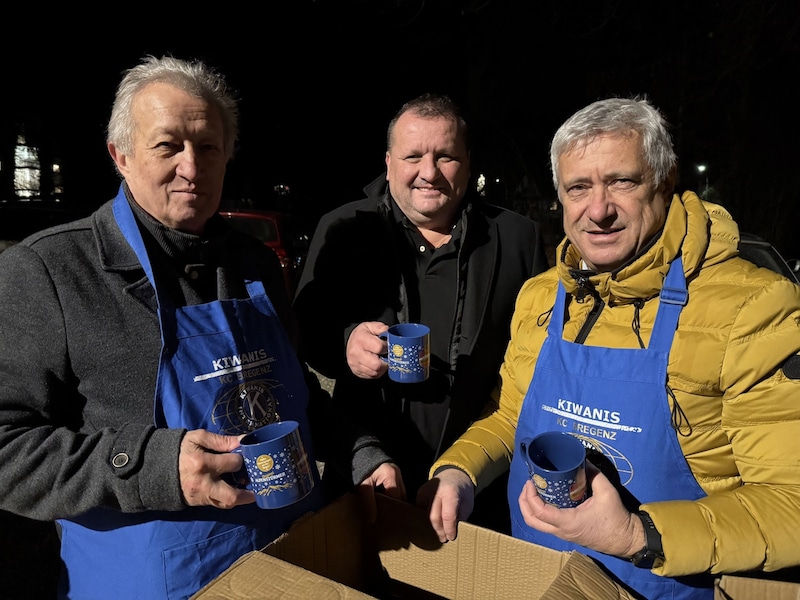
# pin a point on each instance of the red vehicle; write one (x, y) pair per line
(278, 231)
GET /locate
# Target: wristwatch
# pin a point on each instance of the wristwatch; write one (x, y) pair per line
(652, 551)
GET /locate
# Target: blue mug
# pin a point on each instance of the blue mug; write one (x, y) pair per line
(276, 465)
(409, 352)
(556, 463)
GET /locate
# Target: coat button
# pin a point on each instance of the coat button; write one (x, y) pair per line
(120, 460)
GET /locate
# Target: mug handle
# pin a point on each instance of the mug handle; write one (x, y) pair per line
(238, 479)
(523, 447)
(384, 336)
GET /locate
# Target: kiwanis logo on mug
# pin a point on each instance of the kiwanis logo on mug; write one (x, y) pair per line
(409, 352)
(276, 465)
(556, 462)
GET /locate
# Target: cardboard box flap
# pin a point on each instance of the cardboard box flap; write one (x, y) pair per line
(329, 543)
(478, 564)
(258, 575)
(731, 587)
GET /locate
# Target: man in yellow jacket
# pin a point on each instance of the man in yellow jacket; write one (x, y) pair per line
(673, 360)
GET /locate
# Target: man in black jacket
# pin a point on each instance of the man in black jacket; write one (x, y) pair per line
(418, 248)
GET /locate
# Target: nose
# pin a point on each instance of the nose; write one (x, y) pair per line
(187, 164)
(428, 168)
(601, 206)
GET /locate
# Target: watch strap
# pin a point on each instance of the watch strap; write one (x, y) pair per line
(652, 551)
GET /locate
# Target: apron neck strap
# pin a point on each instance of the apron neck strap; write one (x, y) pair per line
(673, 297)
(130, 230)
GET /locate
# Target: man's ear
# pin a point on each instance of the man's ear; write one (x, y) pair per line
(120, 159)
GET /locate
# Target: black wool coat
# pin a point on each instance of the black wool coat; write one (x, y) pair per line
(353, 274)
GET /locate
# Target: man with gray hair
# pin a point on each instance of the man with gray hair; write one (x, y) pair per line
(673, 360)
(117, 417)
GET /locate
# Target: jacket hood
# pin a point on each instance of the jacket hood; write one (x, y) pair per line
(702, 233)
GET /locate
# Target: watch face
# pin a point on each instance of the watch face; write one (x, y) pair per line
(645, 558)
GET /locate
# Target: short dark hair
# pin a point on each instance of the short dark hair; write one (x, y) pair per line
(430, 106)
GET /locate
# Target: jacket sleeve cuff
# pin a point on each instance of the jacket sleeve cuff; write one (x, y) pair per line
(159, 479)
(367, 456)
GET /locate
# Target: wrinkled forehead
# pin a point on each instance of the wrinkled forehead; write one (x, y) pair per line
(579, 146)
(612, 150)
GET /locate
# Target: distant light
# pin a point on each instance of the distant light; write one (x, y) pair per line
(481, 184)
(701, 168)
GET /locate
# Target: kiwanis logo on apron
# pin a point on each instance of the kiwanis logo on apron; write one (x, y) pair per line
(247, 406)
(252, 400)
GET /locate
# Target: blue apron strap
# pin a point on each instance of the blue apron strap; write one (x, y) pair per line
(256, 288)
(673, 297)
(130, 229)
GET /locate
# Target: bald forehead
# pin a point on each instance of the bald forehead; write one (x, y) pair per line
(416, 130)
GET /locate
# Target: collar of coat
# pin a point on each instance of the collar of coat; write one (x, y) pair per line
(702, 233)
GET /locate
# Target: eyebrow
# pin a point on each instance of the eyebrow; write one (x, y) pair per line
(635, 175)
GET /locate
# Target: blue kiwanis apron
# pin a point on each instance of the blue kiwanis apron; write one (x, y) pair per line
(615, 402)
(228, 367)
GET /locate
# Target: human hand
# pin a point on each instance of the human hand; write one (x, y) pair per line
(601, 522)
(386, 476)
(449, 498)
(204, 457)
(364, 348)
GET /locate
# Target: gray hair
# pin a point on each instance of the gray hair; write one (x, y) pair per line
(193, 77)
(618, 115)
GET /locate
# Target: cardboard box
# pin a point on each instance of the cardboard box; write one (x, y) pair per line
(731, 587)
(336, 554)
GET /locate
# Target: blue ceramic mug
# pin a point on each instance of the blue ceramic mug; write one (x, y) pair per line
(556, 463)
(276, 465)
(409, 352)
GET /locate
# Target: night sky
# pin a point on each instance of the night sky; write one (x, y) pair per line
(319, 81)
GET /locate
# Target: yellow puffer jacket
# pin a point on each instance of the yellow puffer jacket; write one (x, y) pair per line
(737, 335)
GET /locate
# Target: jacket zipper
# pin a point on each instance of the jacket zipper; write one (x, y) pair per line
(594, 313)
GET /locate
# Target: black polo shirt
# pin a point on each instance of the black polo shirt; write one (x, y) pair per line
(431, 276)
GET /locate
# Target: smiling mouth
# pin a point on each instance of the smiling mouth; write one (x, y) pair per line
(603, 238)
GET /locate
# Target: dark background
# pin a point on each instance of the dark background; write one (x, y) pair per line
(319, 81)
